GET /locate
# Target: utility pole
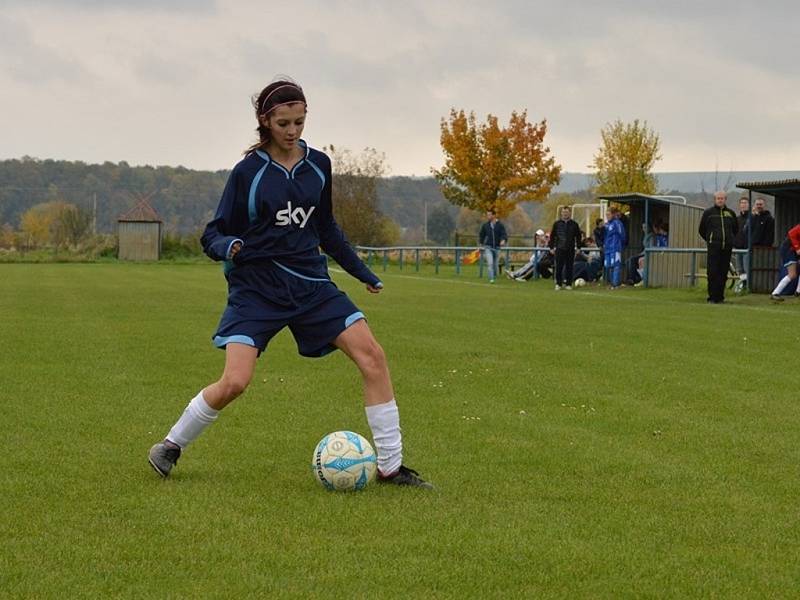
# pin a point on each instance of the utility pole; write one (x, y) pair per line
(425, 223)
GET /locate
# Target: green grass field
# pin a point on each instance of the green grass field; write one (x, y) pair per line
(584, 444)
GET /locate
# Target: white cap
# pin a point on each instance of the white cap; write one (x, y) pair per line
(539, 232)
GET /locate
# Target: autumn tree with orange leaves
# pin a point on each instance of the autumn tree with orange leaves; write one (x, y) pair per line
(487, 166)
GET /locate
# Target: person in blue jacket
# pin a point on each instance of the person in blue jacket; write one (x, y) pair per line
(491, 237)
(615, 239)
(274, 216)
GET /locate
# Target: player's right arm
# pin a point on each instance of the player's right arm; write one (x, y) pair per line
(221, 239)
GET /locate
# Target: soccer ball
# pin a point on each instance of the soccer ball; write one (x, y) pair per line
(344, 461)
(580, 282)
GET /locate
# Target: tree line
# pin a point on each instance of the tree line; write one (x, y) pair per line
(74, 205)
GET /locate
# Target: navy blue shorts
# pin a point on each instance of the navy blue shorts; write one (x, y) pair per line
(264, 298)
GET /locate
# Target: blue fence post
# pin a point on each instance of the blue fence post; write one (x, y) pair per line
(480, 265)
(508, 261)
(369, 258)
(693, 278)
(436, 260)
(458, 261)
(401, 259)
(385, 259)
(417, 259)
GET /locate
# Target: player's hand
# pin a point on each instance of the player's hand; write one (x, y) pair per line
(374, 289)
(235, 248)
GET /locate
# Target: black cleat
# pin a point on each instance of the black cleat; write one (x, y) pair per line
(163, 457)
(405, 476)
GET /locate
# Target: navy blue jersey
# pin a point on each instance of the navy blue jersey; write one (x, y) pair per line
(283, 217)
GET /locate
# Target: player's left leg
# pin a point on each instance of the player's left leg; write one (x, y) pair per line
(360, 345)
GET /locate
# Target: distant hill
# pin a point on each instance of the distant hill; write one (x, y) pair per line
(186, 199)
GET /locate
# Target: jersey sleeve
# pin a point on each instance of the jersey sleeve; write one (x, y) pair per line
(230, 220)
(333, 241)
(794, 237)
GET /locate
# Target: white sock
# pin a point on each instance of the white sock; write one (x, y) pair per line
(781, 285)
(197, 416)
(384, 420)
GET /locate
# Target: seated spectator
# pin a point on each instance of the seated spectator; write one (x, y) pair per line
(526, 271)
(545, 266)
(662, 234)
(658, 238)
(588, 266)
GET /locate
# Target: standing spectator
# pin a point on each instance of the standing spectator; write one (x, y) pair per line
(763, 225)
(740, 243)
(615, 241)
(565, 239)
(790, 251)
(492, 237)
(718, 227)
(599, 233)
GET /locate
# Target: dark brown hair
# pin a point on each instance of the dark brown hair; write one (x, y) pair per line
(279, 92)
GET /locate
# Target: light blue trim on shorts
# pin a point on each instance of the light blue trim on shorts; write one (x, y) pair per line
(221, 342)
(356, 316)
(296, 274)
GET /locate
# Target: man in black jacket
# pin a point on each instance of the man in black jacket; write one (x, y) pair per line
(565, 238)
(763, 225)
(718, 227)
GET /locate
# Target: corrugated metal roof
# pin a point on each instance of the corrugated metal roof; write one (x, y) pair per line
(635, 197)
(781, 183)
(788, 189)
(142, 212)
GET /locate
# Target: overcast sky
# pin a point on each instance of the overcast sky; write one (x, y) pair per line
(169, 81)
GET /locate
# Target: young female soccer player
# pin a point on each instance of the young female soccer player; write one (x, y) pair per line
(274, 216)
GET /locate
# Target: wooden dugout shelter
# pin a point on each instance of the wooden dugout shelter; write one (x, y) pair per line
(139, 231)
(764, 260)
(682, 220)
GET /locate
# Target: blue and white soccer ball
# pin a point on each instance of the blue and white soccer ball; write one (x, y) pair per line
(344, 461)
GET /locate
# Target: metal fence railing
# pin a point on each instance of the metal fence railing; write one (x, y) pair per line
(439, 256)
(694, 272)
(452, 256)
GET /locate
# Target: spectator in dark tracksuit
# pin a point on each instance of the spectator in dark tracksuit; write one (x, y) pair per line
(565, 239)
(740, 243)
(718, 227)
(599, 233)
(763, 225)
